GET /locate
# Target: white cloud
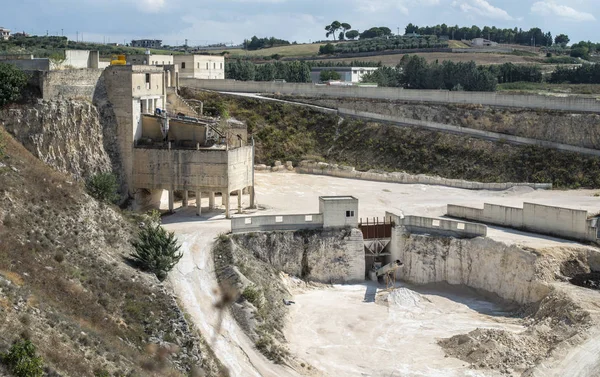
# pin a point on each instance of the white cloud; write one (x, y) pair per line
(376, 6)
(482, 8)
(150, 6)
(551, 8)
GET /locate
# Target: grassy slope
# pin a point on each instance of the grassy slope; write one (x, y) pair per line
(287, 132)
(299, 50)
(64, 283)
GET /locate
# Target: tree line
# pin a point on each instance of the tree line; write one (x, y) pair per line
(515, 35)
(256, 43)
(345, 31)
(413, 72)
(295, 71)
(585, 74)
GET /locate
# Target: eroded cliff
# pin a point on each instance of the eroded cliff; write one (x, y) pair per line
(65, 134)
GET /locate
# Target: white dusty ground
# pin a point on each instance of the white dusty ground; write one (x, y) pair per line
(333, 328)
(343, 334)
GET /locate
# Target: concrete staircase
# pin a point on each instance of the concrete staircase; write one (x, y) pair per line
(176, 104)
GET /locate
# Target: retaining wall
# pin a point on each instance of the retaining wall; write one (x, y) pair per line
(578, 104)
(276, 222)
(67, 84)
(321, 168)
(555, 221)
(438, 227)
(480, 134)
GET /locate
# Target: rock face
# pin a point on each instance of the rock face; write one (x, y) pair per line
(558, 126)
(66, 135)
(332, 256)
(508, 271)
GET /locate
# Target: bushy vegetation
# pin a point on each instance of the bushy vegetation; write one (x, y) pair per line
(22, 361)
(12, 82)
(414, 72)
(156, 250)
(256, 43)
(584, 74)
(329, 75)
(515, 35)
(47, 46)
(296, 71)
(103, 187)
(386, 43)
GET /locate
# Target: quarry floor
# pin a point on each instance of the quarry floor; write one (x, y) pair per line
(346, 330)
(342, 331)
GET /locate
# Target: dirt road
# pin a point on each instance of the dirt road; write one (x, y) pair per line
(194, 282)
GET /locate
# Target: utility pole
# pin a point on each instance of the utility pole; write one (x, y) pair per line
(62, 32)
(398, 31)
(77, 36)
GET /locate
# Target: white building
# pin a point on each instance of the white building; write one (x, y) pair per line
(4, 34)
(339, 211)
(150, 59)
(481, 42)
(200, 66)
(347, 74)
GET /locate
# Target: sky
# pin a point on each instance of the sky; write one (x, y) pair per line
(231, 21)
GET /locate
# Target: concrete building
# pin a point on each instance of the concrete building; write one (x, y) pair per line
(4, 34)
(481, 42)
(201, 66)
(150, 59)
(169, 152)
(339, 211)
(146, 43)
(347, 74)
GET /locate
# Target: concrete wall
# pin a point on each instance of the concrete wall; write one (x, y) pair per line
(151, 129)
(180, 169)
(335, 211)
(81, 59)
(480, 134)
(555, 221)
(438, 227)
(186, 134)
(30, 64)
(273, 223)
(321, 168)
(240, 168)
(68, 84)
(437, 96)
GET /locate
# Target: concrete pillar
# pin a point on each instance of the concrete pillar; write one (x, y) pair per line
(211, 200)
(185, 198)
(239, 193)
(226, 203)
(171, 200)
(198, 203)
(252, 197)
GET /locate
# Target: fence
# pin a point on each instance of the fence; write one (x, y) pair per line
(276, 222)
(577, 104)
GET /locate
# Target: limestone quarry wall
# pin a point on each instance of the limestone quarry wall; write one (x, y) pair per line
(480, 263)
(327, 256)
(66, 135)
